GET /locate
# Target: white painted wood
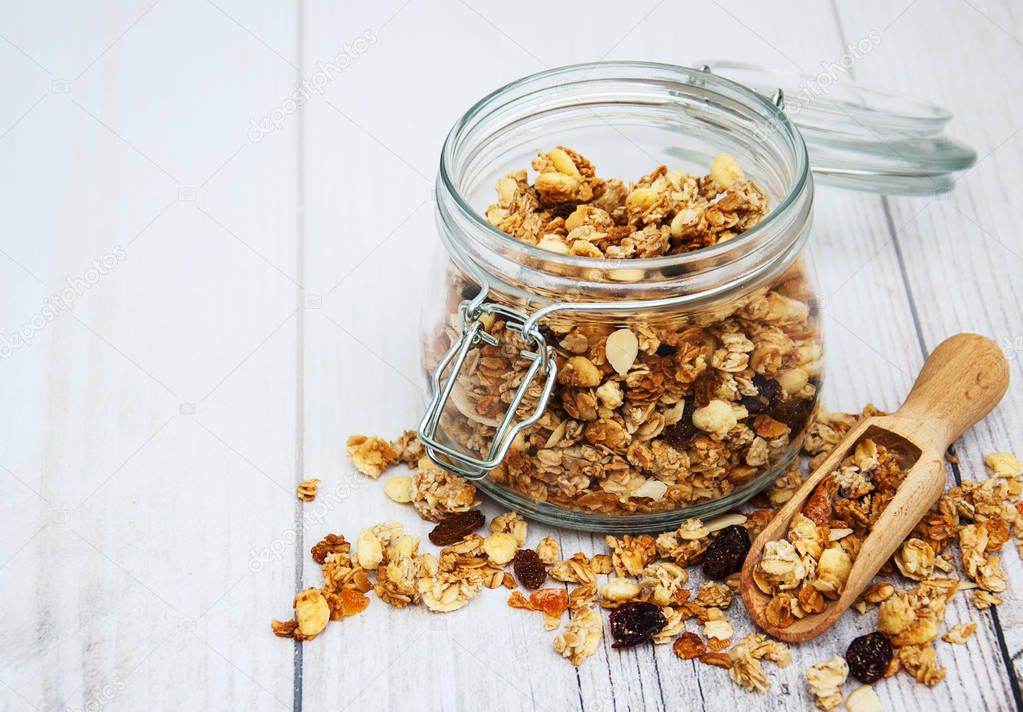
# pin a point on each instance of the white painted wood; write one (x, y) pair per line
(266, 307)
(149, 431)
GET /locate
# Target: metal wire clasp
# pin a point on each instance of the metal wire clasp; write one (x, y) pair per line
(473, 331)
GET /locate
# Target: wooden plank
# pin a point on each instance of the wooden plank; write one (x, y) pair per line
(963, 254)
(150, 425)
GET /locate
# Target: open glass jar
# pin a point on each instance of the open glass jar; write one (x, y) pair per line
(716, 400)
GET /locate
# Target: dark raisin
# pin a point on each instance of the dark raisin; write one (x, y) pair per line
(529, 570)
(869, 656)
(794, 412)
(562, 210)
(636, 622)
(679, 434)
(768, 391)
(705, 387)
(454, 527)
(726, 552)
(470, 290)
(665, 350)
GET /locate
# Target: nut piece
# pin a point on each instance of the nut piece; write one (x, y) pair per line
(399, 489)
(579, 371)
(368, 550)
(311, 612)
(725, 170)
(718, 417)
(621, 350)
(306, 490)
(619, 590)
(689, 646)
(500, 548)
(863, 699)
(510, 523)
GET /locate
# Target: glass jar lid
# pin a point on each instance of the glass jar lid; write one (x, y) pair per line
(860, 137)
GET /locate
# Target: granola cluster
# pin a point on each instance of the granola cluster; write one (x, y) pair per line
(810, 566)
(654, 415)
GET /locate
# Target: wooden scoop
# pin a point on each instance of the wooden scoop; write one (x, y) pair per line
(961, 381)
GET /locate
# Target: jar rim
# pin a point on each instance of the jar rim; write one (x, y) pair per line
(685, 75)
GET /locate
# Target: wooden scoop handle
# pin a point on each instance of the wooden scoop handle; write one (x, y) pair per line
(961, 381)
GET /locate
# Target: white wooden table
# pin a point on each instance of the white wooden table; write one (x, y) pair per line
(215, 286)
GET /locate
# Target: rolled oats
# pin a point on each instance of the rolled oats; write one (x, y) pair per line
(371, 455)
(826, 680)
(959, 633)
(437, 493)
(548, 550)
(581, 636)
(306, 490)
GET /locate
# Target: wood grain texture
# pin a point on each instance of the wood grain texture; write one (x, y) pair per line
(267, 306)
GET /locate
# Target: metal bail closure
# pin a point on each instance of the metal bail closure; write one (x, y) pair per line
(473, 332)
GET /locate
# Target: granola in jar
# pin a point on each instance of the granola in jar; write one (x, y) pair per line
(652, 414)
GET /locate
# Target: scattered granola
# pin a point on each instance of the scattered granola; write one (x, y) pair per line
(959, 633)
(306, 490)
(825, 680)
(371, 455)
(646, 589)
(581, 636)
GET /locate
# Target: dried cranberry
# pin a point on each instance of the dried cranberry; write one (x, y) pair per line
(768, 391)
(529, 570)
(679, 434)
(454, 527)
(664, 350)
(562, 210)
(726, 552)
(636, 622)
(869, 656)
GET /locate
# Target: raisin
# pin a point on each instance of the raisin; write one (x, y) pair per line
(768, 391)
(665, 350)
(529, 570)
(794, 412)
(562, 210)
(469, 291)
(679, 434)
(454, 527)
(636, 622)
(868, 657)
(705, 387)
(726, 552)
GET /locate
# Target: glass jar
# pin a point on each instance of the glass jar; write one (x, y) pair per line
(717, 400)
